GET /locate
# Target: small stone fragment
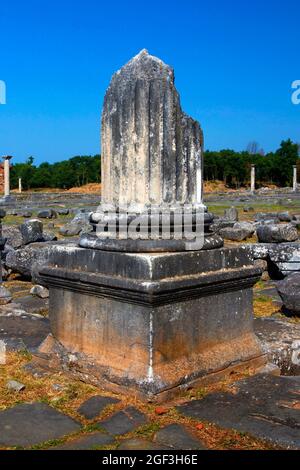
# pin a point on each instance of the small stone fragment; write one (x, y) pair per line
(15, 386)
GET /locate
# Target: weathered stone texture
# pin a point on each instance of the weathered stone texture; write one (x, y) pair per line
(151, 150)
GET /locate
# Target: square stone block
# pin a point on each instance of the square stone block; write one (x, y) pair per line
(151, 323)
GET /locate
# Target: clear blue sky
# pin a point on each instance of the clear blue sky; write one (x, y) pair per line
(234, 63)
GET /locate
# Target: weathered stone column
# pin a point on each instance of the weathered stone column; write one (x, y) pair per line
(20, 185)
(7, 159)
(148, 316)
(295, 178)
(252, 178)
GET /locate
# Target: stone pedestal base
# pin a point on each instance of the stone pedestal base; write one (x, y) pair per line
(150, 323)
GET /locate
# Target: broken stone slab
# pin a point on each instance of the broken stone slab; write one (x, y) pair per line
(124, 421)
(13, 236)
(176, 436)
(289, 291)
(277, 233)
(231, 214)
(49, 236)
(25, 259)
(265, 406)
(239, 232)
(70, 230)
(31, 231)
(282, 258)
(26, 425)
(92, 441)
(262, 216)
(280, 339)
(92, 407)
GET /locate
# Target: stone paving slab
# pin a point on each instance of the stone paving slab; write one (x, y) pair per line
(92, 407)
(91, 441)
(124, 421)
(176, 436)
(26, 331)
(140, 444)
(26, 425)
(264, 406)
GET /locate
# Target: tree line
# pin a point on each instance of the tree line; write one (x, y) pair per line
(233, 168)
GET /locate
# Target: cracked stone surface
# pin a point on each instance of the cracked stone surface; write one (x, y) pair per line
(26, 425)
(264, 406)
(124, 421)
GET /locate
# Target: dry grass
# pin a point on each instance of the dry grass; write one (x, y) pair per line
(263, 306)
(73, 393)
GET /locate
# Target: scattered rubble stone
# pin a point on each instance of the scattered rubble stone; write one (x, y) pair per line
(277, 233)
(47, 214)
(31, 231)
(40, 291)
(289, 291)
(15, 386)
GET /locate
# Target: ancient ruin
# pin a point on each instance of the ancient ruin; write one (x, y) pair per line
(149, 316)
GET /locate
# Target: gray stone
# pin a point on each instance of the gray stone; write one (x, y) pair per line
(124, 421)
(13, 236)
(92, 407)
(40, 291)
(284, 216)
(81, 218)
(15, 386)
(24, 259)
(26, 425)
(70, 230)
(176, 436)
(240, 231)
(141, 444)
(234, 234)
(280, 339)
(49, 236)
(248, 209)
(289, 291)
(264, 406)
(23, 332)
(31, 231)
(277, 233)
(260, 216)
(231, 214)
(47, 214)
(91, 441)
(283, 258)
